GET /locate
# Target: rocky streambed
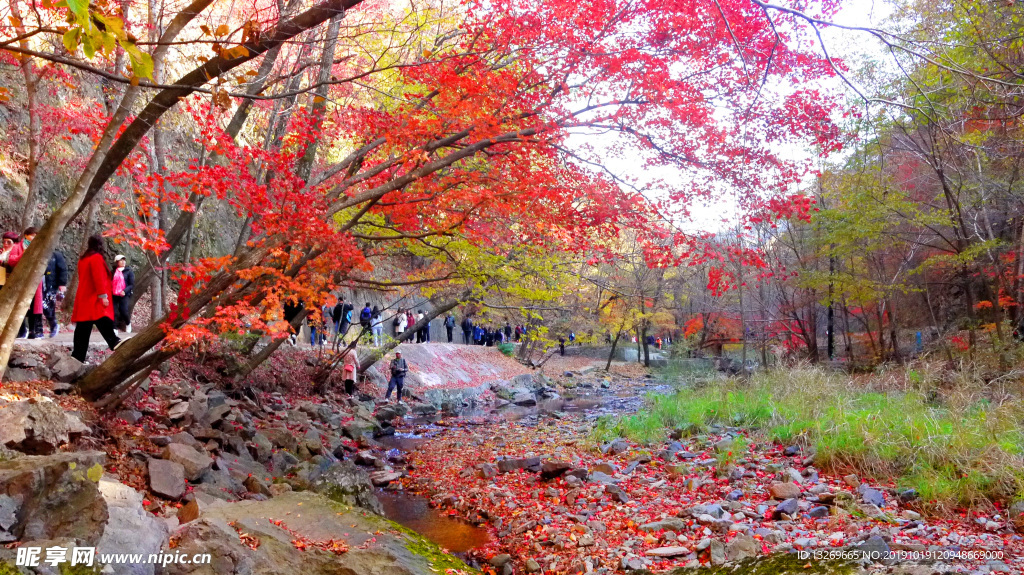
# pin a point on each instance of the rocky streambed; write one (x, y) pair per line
(503, 476)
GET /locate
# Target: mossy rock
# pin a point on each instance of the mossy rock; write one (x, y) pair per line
(375, 544)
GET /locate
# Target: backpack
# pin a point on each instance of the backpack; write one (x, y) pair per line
(366, 315)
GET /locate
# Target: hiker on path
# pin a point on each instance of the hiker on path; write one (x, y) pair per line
(55, 286)
(449, 325)
(13, 250)
(93, 300)
(423, 335)
(561, 345)
(123, 283)
(508, 332)
(336, 316)
(346, 319)
(291, 310)
(399, 368)
(32, 325)
(377, 326)
(401, 323)
(366, 317)
(9, 239)
(349, 370)
(467, 330)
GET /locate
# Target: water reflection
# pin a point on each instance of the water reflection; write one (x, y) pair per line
(416, 514)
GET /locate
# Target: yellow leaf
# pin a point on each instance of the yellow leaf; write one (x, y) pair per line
(223, 30)
(95, 472)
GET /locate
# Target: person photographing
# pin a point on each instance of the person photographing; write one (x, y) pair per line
(399, 368)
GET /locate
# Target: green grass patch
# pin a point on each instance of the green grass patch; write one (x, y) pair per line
(956, 448)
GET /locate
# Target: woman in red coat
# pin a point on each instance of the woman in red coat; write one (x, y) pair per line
(34, 317)
(93, 305)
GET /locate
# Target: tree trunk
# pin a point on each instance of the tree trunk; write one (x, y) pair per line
(115, 145)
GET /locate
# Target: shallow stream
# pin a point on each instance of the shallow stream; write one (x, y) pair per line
(456, 535)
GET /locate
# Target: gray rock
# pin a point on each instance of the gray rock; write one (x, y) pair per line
(345, 483)
(874, 548)
(741, 547)
(166, 478)
(789, 507)
(615, 447)
(601, 477)
(526, 463)
(818, 512)
(375, 547)
(282, 438)
(487, 471)
(256, 485)
(384, 477)
(787, 490)
(872, 497)
(53, 497)
(36, 425)
(193, 461)
(261, 448)
(130, 528)
(313, 441)
(666, 552)
(717, 552)
(217, 406)
(669, 524)
(132, 416)
(552, 469)
(66, 369)
(617, 493)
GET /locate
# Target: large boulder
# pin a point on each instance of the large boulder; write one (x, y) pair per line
(130, 528)
(282, 438)
(194, 461)
(345, 483)
(166, 478)
(36, 425)
(52, 496)
(363, 544)
(66, 369)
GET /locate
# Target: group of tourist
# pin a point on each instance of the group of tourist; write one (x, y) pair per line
(102, 298)
(473, 334)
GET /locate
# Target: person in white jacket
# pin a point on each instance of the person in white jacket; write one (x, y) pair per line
(377, 326)
(403, 323)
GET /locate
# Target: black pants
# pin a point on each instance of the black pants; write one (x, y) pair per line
(32, 326)
(396, 381)
(467, 337)
(449, 330)
(122, 319)
(50, 309)
(350, 387)
(83, 330)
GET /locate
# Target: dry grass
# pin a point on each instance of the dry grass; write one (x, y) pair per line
(951, 436)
